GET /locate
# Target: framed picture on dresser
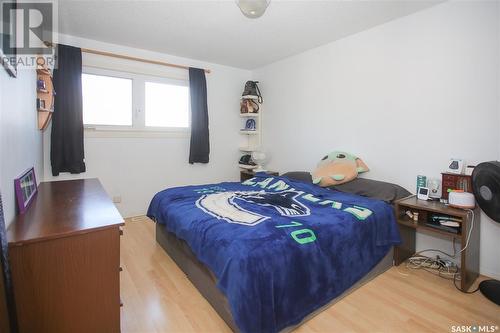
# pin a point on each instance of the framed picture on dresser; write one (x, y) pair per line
(26, 189)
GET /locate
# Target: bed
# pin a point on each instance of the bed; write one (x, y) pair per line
(270, 252)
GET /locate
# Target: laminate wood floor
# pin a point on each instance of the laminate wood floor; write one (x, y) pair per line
(158, 297)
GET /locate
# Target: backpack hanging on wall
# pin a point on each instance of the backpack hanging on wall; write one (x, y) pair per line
(251, 89)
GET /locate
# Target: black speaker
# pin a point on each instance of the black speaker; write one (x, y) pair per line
(486, 186)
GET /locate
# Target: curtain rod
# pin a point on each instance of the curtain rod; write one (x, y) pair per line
(121, 56)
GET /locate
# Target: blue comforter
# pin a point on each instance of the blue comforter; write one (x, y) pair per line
(280, 249)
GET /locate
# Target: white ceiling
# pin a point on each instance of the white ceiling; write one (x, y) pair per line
(216, 31)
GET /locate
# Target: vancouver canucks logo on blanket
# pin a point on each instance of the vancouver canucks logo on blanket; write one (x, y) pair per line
(227, 205)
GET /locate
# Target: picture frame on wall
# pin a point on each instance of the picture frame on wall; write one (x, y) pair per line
(26, 188)
(11, 70)
(5, 42)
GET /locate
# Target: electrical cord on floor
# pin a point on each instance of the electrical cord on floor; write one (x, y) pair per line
(465, 292)
(437, 266)
(443, 268)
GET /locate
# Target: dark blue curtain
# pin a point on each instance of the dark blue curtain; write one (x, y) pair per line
(199, 149)
(66, 147)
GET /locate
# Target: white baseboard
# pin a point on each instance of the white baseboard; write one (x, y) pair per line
(491, 274)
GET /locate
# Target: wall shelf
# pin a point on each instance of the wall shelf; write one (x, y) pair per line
(247, 149)
(252, 97)
(249, 115)
(249, 132)
(44, 95)
(45, 110)
(250, 140)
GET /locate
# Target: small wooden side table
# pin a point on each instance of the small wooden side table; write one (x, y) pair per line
(247, 174)
(469, 258)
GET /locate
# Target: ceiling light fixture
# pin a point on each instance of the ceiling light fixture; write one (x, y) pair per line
(253, 8)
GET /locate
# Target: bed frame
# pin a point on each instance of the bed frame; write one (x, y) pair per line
(204, 280)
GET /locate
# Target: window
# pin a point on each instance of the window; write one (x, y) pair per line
(126, 101)
(166, 105)
(106, 100)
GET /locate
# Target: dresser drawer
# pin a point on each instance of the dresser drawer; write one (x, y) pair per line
(73, 279)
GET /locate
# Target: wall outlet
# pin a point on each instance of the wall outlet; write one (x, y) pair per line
(117, 199)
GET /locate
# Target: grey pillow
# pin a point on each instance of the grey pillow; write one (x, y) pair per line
(370, 188)
(299, 175)
(375, 189)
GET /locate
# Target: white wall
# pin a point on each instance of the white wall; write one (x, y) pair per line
(405, 96)
(135, 168)
(20, 139)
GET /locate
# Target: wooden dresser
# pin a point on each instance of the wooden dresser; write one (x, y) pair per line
(65, 260)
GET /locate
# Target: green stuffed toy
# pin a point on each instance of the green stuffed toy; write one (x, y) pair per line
(337, 168)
